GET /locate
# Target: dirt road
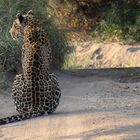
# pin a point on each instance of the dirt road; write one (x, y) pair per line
(95, 105)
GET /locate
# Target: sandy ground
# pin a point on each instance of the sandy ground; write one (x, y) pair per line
(95, 105)
(100, 55)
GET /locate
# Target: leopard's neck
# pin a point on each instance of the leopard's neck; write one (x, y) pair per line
(35, 44)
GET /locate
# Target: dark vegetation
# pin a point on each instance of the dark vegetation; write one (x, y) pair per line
(106, 19)
(103, 19)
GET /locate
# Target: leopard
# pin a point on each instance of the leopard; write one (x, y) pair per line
(36, 91)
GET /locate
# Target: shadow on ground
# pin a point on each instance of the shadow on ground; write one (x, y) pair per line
(131, 74)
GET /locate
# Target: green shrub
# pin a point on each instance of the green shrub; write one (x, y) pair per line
(58, 43)
(121, 19)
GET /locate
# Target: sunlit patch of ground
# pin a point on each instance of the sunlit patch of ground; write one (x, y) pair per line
(100, 55)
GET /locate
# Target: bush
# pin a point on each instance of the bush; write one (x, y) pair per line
(58, 41)
(121, 19)
(109, 19)
(10, 51)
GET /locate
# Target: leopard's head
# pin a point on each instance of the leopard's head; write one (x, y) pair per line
(20, 23)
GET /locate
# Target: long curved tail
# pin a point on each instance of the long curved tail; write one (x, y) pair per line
(21, 117)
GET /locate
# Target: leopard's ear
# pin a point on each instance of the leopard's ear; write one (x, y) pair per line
(30, 12)
(20, 18)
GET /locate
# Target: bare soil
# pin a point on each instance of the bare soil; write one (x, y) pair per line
(89, 54)
(95, 105)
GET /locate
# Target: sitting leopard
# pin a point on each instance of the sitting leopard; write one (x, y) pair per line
(36, 91)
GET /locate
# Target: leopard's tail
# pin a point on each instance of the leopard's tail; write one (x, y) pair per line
(19, 117)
